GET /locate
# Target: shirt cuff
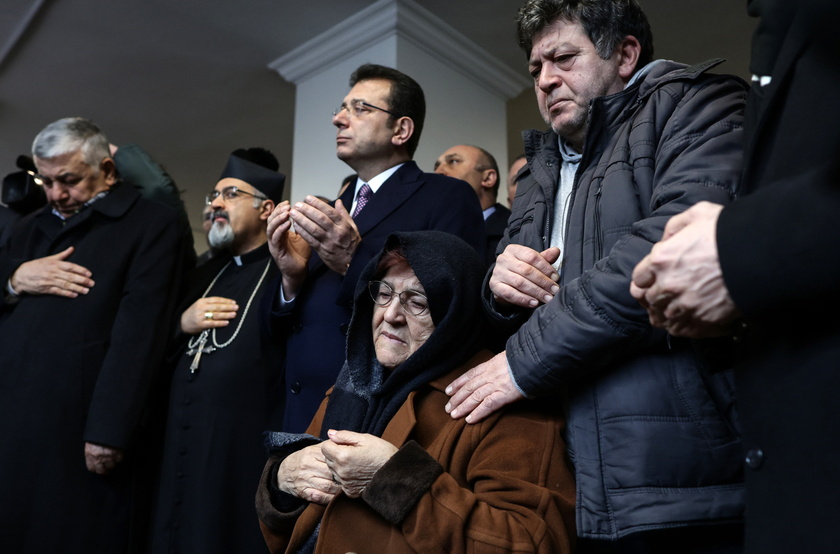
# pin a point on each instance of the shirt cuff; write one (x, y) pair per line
(282, 303)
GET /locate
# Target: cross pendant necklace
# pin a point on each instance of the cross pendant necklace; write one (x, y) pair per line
(198, 345)
(201, 348)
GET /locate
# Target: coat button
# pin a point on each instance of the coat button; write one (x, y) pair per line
(295, 388)
(297, 327)
(755, 458)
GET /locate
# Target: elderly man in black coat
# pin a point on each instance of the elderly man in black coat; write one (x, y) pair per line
(88, 285)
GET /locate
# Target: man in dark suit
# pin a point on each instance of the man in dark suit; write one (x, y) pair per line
(479, 169)
(764, 271)
(89, 283)
(321, 249)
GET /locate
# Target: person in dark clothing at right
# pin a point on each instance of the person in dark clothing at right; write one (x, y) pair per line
(764, 273)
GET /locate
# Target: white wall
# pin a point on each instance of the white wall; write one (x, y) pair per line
(458, 110)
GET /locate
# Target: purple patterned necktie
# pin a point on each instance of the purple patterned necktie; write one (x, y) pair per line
(365, 194)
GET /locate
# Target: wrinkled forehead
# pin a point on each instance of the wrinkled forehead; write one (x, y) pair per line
(401, 277)
(71, 162)
(466, 152)
(559, 35)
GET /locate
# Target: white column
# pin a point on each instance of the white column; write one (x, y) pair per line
(466, 88)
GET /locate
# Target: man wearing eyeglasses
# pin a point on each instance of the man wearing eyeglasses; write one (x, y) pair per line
(224, 387)
(90, 288)
(378, 128)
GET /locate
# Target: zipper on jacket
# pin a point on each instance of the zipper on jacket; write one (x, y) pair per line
(549, 206)
(599, 239)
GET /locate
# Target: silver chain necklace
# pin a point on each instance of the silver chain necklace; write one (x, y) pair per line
(198, 345)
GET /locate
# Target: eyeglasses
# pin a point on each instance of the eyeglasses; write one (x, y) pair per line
(358, 108)
(229, 193)
(412, 301)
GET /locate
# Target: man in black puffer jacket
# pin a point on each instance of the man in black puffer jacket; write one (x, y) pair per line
(652, 431)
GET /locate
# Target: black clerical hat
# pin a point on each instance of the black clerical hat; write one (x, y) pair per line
(261, 178)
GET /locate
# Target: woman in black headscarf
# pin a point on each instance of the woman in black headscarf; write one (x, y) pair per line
(390, 471)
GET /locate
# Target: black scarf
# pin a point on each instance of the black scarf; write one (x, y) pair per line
(365, 396)
(364, 399)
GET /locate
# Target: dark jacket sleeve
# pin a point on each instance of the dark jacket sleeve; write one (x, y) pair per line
(15, 251)
(777, 248)
(277, 520)
(778, 243)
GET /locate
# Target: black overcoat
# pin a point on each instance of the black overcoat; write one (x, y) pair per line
(76, 370)
(779, 254)
(217, 415)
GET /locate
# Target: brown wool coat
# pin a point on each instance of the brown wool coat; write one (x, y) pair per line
(505, 486)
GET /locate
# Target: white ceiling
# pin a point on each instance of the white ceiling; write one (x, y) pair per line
(188, 79)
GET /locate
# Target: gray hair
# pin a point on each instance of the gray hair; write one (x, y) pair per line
(605, 22)
(72, 134)
(220, 235)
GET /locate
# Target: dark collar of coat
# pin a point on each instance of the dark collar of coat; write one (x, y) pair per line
(113, 206)
(117, 202)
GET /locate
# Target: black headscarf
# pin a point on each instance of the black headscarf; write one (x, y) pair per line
(451, 272)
